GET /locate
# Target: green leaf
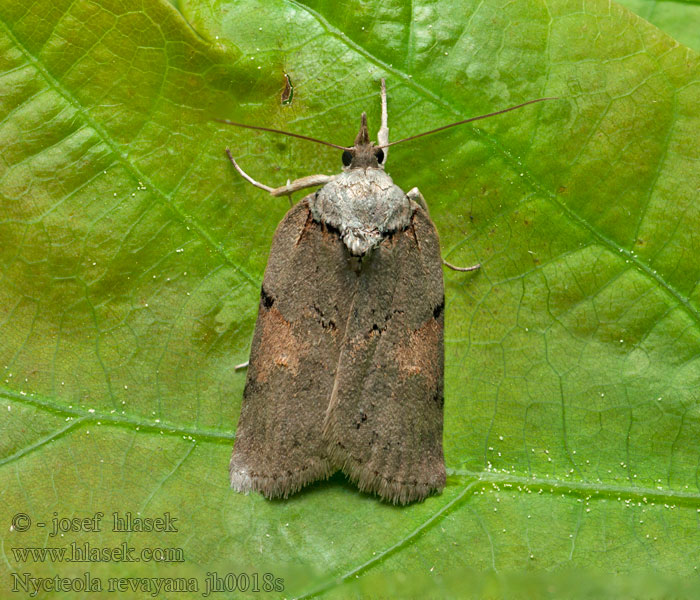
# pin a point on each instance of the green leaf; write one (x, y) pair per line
(680, 20)
(131, 257)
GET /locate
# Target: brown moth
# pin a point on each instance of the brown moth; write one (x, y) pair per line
(346, 364)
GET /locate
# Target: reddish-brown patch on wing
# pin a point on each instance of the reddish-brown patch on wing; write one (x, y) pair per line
(282, 346)
(279, 446)
(417, 355)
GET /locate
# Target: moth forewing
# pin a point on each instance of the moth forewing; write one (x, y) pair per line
(384, 420)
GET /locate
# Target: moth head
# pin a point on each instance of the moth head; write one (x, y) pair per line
(363, 154)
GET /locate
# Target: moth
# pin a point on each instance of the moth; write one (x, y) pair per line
(346, 364)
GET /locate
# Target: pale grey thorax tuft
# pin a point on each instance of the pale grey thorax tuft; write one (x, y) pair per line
(364, 205)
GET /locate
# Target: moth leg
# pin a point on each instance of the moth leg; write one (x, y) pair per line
(415, 195)
(243, 365)
(475, 267)
(285, 190)
(383, 133)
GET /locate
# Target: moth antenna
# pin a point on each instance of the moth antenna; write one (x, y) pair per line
(493, 114)
(296, 135)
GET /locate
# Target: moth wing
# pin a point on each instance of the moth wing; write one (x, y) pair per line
(384, 420)
(279, 446)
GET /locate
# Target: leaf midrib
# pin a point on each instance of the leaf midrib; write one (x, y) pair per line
(88, 415)
(400, 544)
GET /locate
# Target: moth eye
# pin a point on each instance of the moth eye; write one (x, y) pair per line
(380, 155)
(347, 158)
